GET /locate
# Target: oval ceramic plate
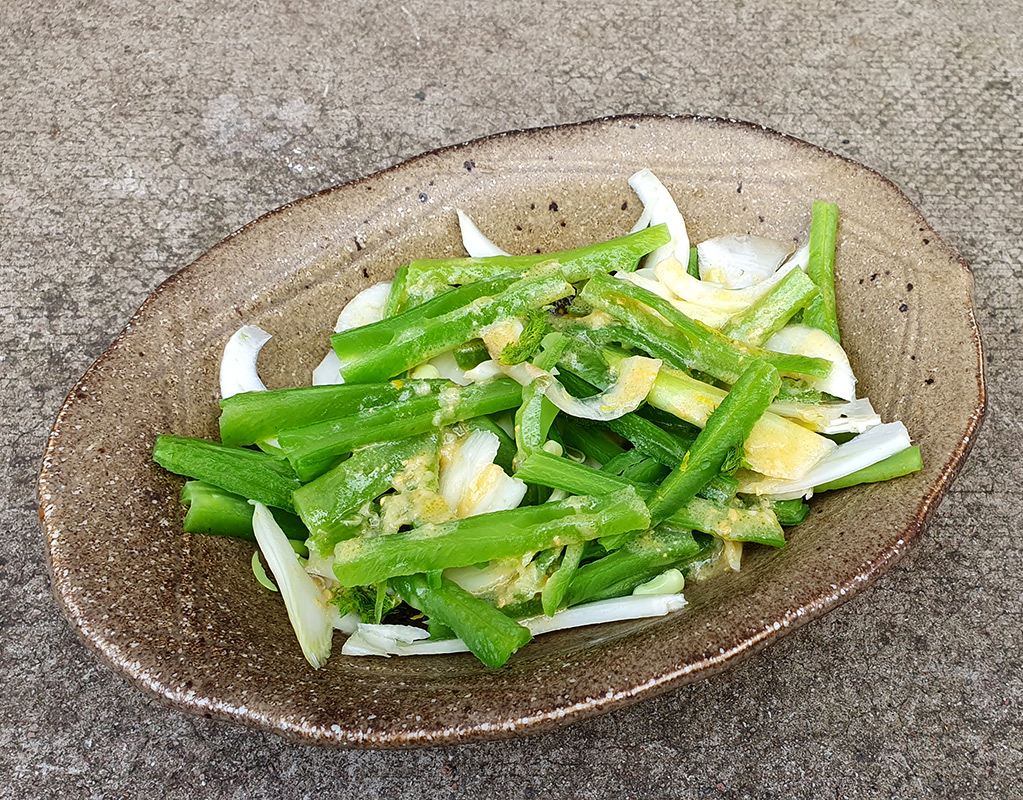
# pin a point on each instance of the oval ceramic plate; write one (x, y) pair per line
(182, 616)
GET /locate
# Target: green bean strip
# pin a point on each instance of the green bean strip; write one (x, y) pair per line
(647, 471)
(636, 467)
(895, 466)
(589, 440)
(396, 297)
(367, 337)
(536, 414)
(471, 354)
(720, 489)
(637, 561)
(252, 417)
(772, 312)
(559, 473)
(651, 440)
(384, 349)
(821, 312)
(693, 267)
(790, 512)
(213, 511)
(327, 504)
(678, 428)
(733, 522)
(645, 435)
(590, 361)
(726, 430)
(554, 590)
(313, 449)
(500, 534)
(703, 348)
(490, 635)
(249, 473)
(726, 520)
(428, 275)
(659, 341)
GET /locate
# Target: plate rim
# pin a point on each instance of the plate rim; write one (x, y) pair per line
(528, 724)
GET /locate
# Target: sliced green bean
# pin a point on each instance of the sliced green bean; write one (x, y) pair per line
(726, 430)
(490, 635)
(383, 349)
(790, 512)
(428, 275)
(726, 520)
(501, 534)
(327, 504)
(720, 488)
(772, 312)
(313, 449)
(696, 345)
(249, 473)
(471, 354)
(895, 466)
(693, 267)
(637, 561)
(252, 417)
(213, 511)
(396, 297)
(590, 440)
(536, 414)
(636, 467)
(557, 584)
(821, 312)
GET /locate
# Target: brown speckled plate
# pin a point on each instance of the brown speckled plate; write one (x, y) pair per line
(181, 615)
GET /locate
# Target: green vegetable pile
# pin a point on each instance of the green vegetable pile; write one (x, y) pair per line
(502, 445)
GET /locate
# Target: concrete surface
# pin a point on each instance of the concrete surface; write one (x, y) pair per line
(133, 136)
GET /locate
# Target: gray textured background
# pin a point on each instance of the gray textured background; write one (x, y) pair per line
(133, 136)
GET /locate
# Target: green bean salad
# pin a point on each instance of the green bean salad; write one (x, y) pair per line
(497, 446)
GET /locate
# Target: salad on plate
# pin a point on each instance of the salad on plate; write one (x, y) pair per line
(498, 446)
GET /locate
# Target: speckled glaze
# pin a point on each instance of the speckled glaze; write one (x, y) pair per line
(181, 615)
